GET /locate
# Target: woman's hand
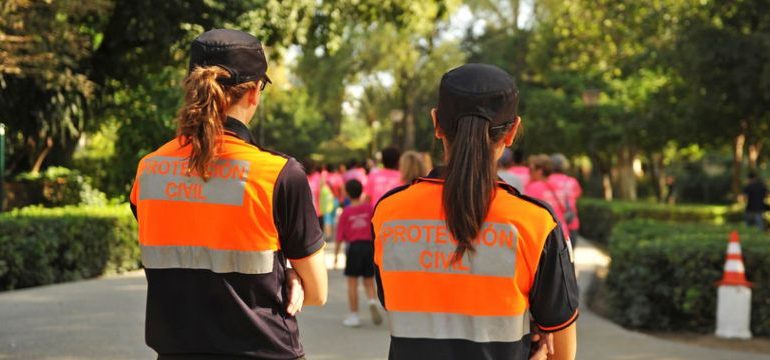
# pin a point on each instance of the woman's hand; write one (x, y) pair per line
(296, 292)
(542, 346)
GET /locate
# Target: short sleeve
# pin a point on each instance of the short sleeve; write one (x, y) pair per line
(554, 294)
(133, 197)
(299, 232)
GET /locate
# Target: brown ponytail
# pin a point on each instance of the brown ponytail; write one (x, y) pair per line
(470, 179)
(201, 119)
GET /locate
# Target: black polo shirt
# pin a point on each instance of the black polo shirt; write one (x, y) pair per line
(200, 314)
(553, 302)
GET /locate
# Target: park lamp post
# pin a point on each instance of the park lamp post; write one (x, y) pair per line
(2, 166)
(396, 115)
(591, 97)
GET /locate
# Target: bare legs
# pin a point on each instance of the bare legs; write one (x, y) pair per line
(353, 294)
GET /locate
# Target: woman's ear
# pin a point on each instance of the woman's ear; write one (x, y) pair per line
(511, 135)
(438, 132)
(253, 96)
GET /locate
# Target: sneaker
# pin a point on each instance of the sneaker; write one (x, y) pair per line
(352, 321)
(376, 317)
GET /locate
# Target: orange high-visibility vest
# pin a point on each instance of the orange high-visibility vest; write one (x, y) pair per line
(483, 298)
(231, 239)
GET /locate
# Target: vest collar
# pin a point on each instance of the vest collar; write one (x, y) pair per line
(235, 127)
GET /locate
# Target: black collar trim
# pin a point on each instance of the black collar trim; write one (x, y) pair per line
(235, 127)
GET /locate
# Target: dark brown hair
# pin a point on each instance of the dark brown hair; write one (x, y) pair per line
(470, 179)
(476, 108)
(201, 119)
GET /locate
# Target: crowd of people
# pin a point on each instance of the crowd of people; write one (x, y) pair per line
(344, 196)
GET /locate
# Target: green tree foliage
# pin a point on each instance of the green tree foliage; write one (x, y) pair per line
(288, 122)
(619, 80)
(727, 69)
(613, 80)
(398, 40)
(45, 92)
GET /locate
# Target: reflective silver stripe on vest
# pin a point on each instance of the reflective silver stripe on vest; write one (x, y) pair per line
(199, 257)
(427, 245)
(165, 178)
(457, 326)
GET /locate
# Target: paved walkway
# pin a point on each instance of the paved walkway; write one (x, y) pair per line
(103, 319)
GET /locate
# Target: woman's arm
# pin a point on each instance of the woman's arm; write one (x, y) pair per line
(300, 236)
(565, 343)
(312, 271)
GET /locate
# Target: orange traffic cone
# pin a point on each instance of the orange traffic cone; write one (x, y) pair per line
(734, 271)
(734, 296)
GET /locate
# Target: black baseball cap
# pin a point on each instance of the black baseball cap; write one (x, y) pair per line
(240, 53)
(477, 91)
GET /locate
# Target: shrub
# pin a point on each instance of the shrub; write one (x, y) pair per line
(59, 186)
(598, 217)
(41, 246)
(663, 275)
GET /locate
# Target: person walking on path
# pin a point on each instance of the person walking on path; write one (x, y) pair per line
(314, 181)
(411, 166)
(463, 262)
(355, 170)
(568, 190)
(520, 168)
(538, 187)
(504, 166)
(218, 217)
(354, 229)
(755, 192)
(327, 205)
(383, 180)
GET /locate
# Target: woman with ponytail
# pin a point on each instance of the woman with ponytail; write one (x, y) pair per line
(467, 267)
(219, 217)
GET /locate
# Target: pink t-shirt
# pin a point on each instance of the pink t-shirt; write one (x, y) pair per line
(380, 182)
(568, 188)
(314, 180)
(355, 173)
(334, 179)
(540, 190)
(355, 223)
(522, 172)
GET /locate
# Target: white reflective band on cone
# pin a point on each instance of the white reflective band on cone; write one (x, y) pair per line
(734, 248)
(734, 266)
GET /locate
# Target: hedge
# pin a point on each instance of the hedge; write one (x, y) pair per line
(662, 275)
(598, 217)
(56, 186)
(41, 246)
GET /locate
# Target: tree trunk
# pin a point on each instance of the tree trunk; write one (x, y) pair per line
(607, 186)
(658, 171)
(600, 181)
(409, 137)
(626, 175)
(738, 146)
(43, 154)
(396, 131)
(754, 150)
